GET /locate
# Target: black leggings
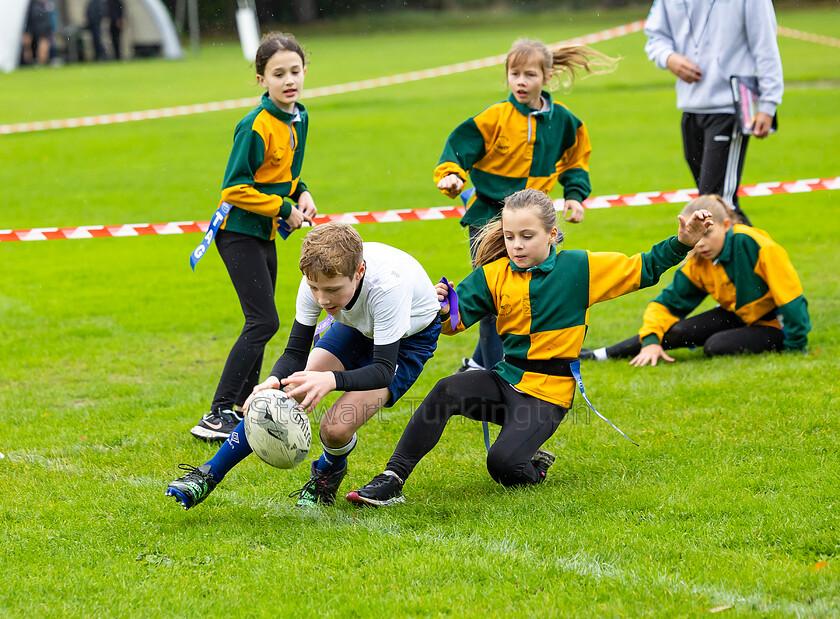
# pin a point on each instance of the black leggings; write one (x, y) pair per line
(718, 331)
(527, 422)
(252, 265)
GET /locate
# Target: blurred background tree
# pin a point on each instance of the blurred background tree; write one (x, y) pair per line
(219, 14)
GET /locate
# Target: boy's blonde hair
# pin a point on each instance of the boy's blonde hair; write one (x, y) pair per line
(564, 59)
(491, 239)
(712, 203)
(331, 250)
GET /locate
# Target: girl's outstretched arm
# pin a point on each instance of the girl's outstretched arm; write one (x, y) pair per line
(613, 274)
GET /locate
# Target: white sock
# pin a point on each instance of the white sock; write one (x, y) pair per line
(473, 364)
(600, 354)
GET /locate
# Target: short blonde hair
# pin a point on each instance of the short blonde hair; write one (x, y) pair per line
(331, 250)
(712, 203)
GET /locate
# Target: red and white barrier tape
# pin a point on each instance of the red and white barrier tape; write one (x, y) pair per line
(397, 215)
(323, 91)
(807, 36)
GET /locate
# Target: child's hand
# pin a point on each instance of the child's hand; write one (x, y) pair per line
(693, 229)
(307, 205)
(572, 210)
(650, 354)
(296, 218)
(269, 383)
(451, 185)
(314, 384)
(442, 292)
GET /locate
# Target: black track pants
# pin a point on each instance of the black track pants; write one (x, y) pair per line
(527, 422)
(718, 331)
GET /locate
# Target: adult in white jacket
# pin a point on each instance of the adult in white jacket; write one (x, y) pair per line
(704, 43)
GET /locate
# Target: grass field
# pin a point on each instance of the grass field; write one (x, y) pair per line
(111, 349)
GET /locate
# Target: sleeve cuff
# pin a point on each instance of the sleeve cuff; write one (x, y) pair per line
(301, 187)
(767, 107)
(679, 248)
(285, 209)
(649, 339)
(339, 380)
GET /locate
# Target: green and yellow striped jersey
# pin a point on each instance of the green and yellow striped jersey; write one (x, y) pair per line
(752, 277)
(263, 168)
(509, 147)
(543, 312)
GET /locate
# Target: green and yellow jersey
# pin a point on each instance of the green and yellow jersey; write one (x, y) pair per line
(263, 168)
(752, 277)
(543, 312)
(510, 146)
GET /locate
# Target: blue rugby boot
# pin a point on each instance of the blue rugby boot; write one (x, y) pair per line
(194, 487)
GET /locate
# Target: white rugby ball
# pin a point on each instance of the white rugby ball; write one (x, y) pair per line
(278, 429)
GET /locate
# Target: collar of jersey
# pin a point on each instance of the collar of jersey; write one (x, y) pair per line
(268, 105)
(546, 266)
(526, 110)
(355, 298)
(725, 253)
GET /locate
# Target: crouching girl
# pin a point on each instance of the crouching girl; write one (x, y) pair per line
(541, 297)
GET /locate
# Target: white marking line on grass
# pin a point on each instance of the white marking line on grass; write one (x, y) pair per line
(322, 91)
(644, 198)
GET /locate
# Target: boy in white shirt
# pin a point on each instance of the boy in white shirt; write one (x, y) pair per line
(386, 324)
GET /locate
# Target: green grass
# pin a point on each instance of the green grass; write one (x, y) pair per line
(111, 349)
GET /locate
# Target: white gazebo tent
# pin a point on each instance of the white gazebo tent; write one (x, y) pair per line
(148, 26)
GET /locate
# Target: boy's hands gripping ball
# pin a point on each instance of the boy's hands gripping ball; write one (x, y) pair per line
(277, 429)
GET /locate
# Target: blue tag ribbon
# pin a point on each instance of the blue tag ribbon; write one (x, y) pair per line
(322, 327)
(197, 254)
(212, 229)
(575, 366)
(467, 194)
(452, 301)
(283, 228)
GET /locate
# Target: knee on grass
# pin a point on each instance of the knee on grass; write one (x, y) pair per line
(504, 471)
(721, 344)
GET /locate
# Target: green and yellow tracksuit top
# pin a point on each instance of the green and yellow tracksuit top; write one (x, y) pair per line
(263, 168)
(510, 146)
(543, 312)
(752, 277)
